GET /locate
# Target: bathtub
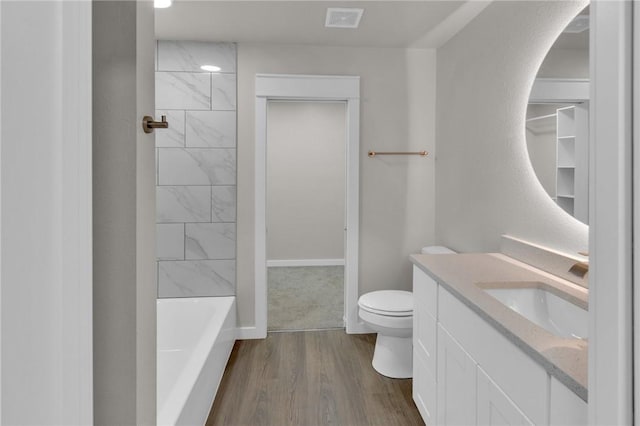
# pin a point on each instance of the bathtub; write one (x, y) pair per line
(195, 338)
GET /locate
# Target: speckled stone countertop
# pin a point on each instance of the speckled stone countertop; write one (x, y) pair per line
(465, 276)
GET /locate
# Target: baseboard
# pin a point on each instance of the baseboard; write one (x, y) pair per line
(304, 262)
(249, 333)
(358, 328)
(252, 333)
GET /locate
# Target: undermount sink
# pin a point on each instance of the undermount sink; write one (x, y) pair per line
(545, 309)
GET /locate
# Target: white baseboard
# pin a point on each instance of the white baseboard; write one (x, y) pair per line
(249, 333)
(252, 333)
(304, 262)
(359, 328)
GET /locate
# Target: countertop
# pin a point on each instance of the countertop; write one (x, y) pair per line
(460, 274)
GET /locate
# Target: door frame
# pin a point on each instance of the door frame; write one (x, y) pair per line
(308, 88)
(636, 211)
(611, 213)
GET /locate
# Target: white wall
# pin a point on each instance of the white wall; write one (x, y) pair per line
(305, 180)
(46, 281)
(396, 193)
(124, 280)
(485, 183)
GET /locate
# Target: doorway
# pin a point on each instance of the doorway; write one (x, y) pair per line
(342, 89)
(305, 214)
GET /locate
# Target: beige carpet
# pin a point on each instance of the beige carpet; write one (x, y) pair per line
(305, 297)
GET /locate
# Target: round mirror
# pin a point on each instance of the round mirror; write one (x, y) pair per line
(557, 125)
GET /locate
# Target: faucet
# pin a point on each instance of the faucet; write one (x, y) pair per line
(581, 268)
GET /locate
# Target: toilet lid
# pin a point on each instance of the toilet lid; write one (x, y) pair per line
(395, 303)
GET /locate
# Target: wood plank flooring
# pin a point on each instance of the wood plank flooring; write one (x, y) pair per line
(310, 378)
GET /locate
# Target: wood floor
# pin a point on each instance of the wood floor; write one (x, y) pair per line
(308, 379)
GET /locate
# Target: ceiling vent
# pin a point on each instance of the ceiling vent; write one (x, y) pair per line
(343, 18)
(579, 24)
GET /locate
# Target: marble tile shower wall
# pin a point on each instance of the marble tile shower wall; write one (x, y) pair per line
(196, 169)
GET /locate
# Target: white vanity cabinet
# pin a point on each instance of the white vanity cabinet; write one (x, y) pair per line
(424, 345)
(456, 382)
(566, 409)
(467, 372)
(494, 406)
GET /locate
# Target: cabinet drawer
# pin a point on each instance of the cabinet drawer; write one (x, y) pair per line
(425, 293)
(424, 389)
(424, 338)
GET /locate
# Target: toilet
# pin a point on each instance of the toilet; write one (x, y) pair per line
(390, 314)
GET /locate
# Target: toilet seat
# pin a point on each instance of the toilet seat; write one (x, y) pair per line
(391, 324)
(394, 303)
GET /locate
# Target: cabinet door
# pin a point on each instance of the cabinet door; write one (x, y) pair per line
(567, 409)
(424, 388)
(456, 383)
(494, 406)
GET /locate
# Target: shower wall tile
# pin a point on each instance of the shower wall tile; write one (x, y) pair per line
(170, 241)
(183, 90)
(210, 241)
(183, 204)
(174, 135)
(191, 55)
(223, 91)
(223, 203)
(213, 129)
(197, 166)
(196, 278)
(196, 169)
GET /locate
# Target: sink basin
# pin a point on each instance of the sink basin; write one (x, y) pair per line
(545, 309)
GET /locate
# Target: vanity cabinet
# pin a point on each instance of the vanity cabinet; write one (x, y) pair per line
(424, 390)
(456, 382)
(467, 372)
(424, 346)
(494, 406)
(566, 409)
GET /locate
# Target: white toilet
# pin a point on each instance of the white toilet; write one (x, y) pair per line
(390, 314)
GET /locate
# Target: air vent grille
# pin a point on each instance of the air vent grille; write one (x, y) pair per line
(343, 18)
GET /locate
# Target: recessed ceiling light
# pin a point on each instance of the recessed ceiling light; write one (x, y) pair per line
(162, 4)
(343, 18)
(210, 68)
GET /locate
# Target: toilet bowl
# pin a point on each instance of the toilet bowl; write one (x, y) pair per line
(390, 314)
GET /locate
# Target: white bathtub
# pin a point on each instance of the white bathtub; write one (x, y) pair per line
(195, 338)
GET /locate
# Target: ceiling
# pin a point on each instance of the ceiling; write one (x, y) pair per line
(384, 23)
